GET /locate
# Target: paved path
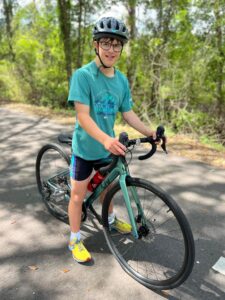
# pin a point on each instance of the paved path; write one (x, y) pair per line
(29, 236)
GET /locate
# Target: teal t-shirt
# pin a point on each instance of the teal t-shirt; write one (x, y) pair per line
(106, 96)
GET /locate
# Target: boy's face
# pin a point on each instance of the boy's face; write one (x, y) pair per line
(109, 50)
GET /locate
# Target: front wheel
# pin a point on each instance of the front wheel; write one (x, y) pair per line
(163, 255)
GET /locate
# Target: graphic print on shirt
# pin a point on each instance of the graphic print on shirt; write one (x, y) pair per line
(106, 104)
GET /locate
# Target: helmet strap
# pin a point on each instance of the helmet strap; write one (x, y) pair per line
(102, 63)
(104, 66)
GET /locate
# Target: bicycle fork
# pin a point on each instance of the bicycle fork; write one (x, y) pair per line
(127, 200)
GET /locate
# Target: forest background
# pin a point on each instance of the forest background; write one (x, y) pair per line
(174, 60)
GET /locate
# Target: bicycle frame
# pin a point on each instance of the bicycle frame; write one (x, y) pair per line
(121, 170)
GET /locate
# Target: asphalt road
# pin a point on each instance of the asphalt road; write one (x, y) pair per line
(34, 260)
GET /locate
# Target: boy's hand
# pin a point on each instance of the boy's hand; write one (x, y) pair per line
(153, 134)
(114, 146)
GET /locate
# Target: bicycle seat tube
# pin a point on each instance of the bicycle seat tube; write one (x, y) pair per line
(119, 169)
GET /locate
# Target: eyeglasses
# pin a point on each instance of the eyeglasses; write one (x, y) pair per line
(107, 45)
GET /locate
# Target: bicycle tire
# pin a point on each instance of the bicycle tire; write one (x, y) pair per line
(151, 260)
(52, 175)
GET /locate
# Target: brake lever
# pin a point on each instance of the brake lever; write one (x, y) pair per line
(161, 136)
(163, 145)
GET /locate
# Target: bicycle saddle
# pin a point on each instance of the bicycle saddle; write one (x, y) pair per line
(65, 138)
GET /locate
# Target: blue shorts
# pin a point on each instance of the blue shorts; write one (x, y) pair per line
(81, 169)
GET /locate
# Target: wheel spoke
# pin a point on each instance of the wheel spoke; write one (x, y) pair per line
(157, 259)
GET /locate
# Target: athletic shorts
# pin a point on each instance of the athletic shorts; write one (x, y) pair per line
(81, 169)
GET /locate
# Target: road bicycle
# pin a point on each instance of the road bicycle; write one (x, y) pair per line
(159, 252)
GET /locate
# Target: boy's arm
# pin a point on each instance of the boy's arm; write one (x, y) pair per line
(89, 125)
(133, 120)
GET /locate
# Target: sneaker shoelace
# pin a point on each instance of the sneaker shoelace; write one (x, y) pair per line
(78, 243)
(80, 246)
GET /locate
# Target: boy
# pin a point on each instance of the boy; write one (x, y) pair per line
(98, 91)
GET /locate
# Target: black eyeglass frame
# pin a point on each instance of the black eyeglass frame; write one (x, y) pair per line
(110, 45)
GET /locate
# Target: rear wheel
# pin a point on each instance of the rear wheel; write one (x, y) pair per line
(163, 255)
(53, 179)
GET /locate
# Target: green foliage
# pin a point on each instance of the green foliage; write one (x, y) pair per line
(174, 61)
(211, 141)
(39, 59)
(9, 84)
(185, 121)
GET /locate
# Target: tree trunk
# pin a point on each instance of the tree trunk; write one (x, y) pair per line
(220, 59)
(64, 7)
(131, 60)
(162, 31)
(156, 68)
(8, 12)
(79, 42)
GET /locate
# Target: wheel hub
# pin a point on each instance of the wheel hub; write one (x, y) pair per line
(143, 231)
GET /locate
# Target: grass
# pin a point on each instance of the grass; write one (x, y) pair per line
(210, 142)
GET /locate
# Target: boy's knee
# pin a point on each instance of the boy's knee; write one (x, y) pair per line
(76, 197)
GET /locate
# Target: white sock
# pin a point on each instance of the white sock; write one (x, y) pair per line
(75, 235)
(111, 218)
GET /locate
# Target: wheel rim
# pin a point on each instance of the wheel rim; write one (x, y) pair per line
(53, 180)
(160, 256)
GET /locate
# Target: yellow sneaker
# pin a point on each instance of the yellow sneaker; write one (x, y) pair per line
(80, 253)
(121, 226)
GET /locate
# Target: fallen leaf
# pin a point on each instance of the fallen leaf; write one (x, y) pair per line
(33, 268)
(65, 270)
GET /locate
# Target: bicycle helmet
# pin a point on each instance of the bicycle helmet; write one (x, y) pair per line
(110, 27)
